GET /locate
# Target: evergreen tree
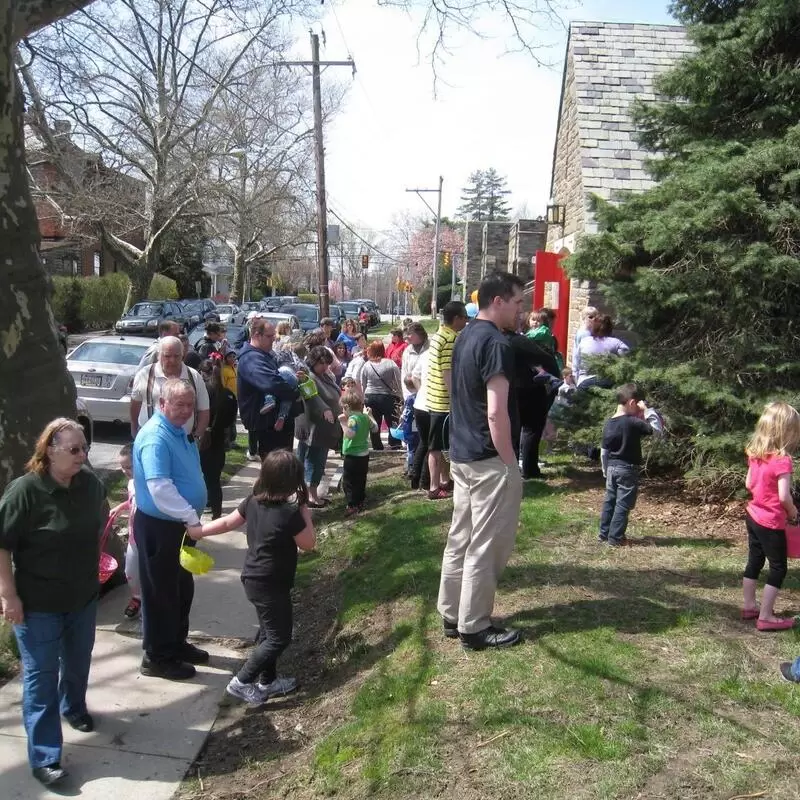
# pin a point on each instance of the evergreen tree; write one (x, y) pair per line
(704, 268)
(483, 198)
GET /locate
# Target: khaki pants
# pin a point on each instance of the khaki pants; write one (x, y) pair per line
(486, 506)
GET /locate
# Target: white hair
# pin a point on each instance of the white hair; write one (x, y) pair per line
(175, 386)
(587, 311)
(169, 341)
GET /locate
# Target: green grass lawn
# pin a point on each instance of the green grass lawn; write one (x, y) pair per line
(636, 678)
(430, 325)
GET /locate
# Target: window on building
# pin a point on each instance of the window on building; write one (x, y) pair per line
(74, 268)
(96, 263)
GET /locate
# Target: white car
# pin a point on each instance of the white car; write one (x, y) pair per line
(276, 316)
(230, 314)
(103, 368)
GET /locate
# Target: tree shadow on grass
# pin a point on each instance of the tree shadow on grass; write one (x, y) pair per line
(681, 541)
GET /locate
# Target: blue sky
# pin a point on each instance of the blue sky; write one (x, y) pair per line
(491, 109)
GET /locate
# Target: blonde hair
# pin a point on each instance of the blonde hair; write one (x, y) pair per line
(40, 462)
(777, 432)
(587, 312)
(284, 328)
(352, 401)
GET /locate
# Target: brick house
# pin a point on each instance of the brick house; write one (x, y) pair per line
(68, 246)
(607, 66)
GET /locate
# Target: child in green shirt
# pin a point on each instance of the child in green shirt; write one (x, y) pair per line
(356, 427)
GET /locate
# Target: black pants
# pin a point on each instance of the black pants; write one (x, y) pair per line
(383, 407)
(534, 406)
(420, 475)
(212, 460)
(167, 589)
(765, 544)
(354, 479)
(252, 442)
(269, 440)
(273, 605)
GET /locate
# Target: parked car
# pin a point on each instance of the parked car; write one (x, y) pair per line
(232, 333)
(231, 313)
(372, 308)
(252, 305)
(142, 318)
(103, 368)
(287, 300)
(350, 308)
(198, 311)
(271, 303)
(309, 317)
(278, 316)
(84, 418)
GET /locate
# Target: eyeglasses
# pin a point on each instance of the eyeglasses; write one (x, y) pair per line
(73, 451)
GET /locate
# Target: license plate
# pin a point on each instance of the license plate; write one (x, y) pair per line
(91, 380)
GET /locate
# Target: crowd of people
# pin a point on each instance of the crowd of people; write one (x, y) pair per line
(469, 406)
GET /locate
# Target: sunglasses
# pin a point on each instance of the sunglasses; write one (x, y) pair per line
(73, 451)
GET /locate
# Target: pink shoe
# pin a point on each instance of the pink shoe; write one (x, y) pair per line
(750, 613)
(780, 624)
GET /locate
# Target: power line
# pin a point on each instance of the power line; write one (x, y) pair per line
(364, 241)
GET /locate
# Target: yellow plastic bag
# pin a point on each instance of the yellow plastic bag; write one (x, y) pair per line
(195, 560)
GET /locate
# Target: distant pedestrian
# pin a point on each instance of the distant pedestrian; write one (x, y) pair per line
(349, 334)
(383, 396)
(584, 329)
(277, 522)
(166, 327)
(621, 458)
(212, 341)
(488, 484)
(50, 524)
(131, 553)
(770, 510)
(600, 342)
(396, 347)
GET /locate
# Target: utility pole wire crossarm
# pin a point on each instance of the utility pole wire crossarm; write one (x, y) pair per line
(438, 213)
(319, 153)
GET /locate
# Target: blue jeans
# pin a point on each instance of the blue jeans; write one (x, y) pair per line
(315, 459)
(622, 486)
(56, 652)
(411, 443)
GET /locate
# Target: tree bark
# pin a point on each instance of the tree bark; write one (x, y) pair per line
(34, 384)
(237, 280)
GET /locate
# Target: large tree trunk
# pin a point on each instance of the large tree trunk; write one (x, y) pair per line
(140, 277)
(237, 280)
(34, 384)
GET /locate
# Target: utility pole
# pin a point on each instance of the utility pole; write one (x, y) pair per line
(438, 213)
(319, 157)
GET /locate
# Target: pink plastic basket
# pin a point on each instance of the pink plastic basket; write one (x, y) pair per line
(793, 541)
(108, 564)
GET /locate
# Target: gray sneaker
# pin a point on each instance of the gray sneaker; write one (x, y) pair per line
(278, 687)
(251, 693)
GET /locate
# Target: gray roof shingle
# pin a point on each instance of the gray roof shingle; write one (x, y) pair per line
(613, 64)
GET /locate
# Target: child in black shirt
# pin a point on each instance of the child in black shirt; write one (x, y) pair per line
(278, 522)
(621, 459)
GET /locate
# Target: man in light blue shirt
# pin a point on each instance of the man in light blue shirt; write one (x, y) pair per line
(170, 495)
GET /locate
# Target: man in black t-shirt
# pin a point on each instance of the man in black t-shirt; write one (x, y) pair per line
(488, 484)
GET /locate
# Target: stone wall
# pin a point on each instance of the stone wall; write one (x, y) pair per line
(525, 238)
(473, 244)
(494, 247)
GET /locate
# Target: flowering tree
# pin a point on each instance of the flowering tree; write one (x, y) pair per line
(419, 254)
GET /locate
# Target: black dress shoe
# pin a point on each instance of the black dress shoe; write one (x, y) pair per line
(50, 774)
(169, 670)
(82, 722)
(490, 637)
(193, 655)
(450, 629)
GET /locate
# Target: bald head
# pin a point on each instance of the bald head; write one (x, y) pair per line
(170, 356)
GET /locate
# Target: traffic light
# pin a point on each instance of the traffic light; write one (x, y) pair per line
(447, 258)
(365, 262)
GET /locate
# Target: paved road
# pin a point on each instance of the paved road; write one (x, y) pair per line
(108, 438)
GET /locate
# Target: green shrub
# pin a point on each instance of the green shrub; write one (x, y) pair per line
(66, 302)
(306, 297)
(103, 299)
(162, 288)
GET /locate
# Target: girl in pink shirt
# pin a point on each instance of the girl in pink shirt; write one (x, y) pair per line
(769, 480)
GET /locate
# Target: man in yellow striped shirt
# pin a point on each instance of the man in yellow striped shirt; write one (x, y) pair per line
(438, 383)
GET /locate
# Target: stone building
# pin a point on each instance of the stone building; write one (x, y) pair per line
(524, 239)
(607, 66)
(504, 245)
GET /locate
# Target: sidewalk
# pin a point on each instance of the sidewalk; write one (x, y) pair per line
(148, 731)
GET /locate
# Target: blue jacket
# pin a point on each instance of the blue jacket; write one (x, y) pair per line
(258, 376)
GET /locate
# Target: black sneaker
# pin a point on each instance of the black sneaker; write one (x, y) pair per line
(193, 655)
(786, 671)
(52, 773)
(82, 722)
(490, 637)
(169, 670)
(450, 629)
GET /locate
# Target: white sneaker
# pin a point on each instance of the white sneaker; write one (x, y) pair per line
(253, 457)
(251, 693)
(278, 687)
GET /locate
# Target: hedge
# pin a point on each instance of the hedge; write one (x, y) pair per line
(98, 302)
